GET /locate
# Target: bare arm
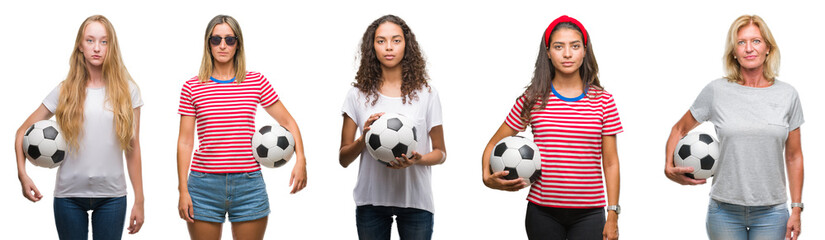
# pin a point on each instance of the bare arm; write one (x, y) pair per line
(299, 172)
(677, 174)
(610, 163)
(495, 180)
(185, 145)
(350, 149)
(29, 189)
(796, 176)
(133, 163)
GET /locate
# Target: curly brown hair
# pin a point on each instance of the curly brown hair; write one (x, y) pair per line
(413, 73)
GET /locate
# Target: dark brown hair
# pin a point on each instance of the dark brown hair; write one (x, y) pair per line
(539, 88)
(413, 73)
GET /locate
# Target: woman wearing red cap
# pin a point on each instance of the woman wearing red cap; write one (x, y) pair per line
(574, 122)
(757, 119)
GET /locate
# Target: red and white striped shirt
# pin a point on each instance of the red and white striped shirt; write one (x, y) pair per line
(569, 137)
(225, 118)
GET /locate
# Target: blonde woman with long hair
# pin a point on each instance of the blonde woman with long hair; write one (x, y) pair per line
(97, 108)
(757, 118)
(222, 101)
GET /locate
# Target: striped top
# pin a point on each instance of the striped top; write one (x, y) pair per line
(569, 137)
(225, 118)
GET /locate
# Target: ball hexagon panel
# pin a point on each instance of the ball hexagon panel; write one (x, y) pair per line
(698, 149)
(389, 139)
(496, 164)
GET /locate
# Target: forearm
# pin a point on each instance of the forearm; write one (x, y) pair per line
(432, 158)
(796, 176)
(348, 152)
(300, 158)
(134, 165)
(184, 154)
(19, 155)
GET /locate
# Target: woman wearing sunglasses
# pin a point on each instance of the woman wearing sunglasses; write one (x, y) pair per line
(97, 108)
(225, 178)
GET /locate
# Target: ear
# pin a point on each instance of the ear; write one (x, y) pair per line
(548, 54)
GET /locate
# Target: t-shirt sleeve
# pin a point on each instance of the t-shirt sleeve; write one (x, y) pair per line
(268, 94)
(52, 99)
(187, 106)
(796, 118)
(701, 108)
(611, 123)
(434, 111)
(137, 100)
(514, 118)
(350, 106)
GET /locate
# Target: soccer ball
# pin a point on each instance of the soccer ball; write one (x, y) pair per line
(518, 155)
(390, 136)
(44, 145)
(700, 151)
(272, 146)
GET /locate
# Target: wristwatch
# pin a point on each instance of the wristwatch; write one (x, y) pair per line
(799, 205)
(616, 208)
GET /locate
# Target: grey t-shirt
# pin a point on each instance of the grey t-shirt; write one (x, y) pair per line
(752, 125)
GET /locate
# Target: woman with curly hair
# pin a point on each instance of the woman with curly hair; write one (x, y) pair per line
(392, 77)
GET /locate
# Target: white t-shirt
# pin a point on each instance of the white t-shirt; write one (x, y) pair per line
(96, 170)
(379, 185)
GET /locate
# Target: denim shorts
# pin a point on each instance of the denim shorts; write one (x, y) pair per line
(241, 195)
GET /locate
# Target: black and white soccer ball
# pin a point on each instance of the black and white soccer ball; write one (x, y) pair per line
(520, 156)
(44, 145)
(700, 151)
(390, 136)
(272, 146)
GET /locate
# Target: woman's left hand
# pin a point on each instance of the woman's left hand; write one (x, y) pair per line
(611, 230)
(794, 225)
(298, 179)
(404, 162)
(136, 219)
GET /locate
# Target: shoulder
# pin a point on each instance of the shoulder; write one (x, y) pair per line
(784, 86)
(191, 81)
(599, 94)
(428, 91)
(253, 75)
(354, 93)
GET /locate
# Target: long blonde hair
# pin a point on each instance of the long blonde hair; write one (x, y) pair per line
(70, 113)
(770, 69)
(239, 59)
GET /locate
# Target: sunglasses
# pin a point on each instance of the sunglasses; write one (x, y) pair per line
(230, 41)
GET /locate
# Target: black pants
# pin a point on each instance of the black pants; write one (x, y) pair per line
(548, 223)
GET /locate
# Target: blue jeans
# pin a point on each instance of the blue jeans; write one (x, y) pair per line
(71, 216)
(736, 222)
(375, 223)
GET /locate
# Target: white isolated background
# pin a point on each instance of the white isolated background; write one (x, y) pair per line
(654, 56)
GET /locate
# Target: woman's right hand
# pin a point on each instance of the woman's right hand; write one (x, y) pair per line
(185, 207)
(497, 181)
(677, 174)
(29, 189)
(369, 122)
